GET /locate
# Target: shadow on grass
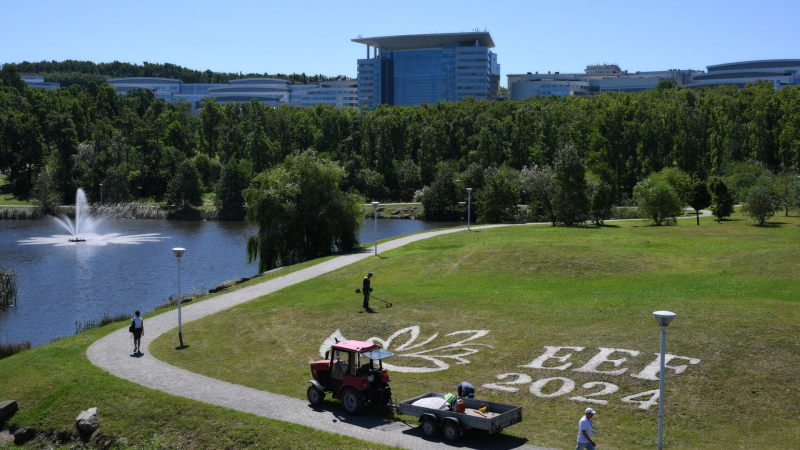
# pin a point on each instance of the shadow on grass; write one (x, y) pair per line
(769, 224)
(182, 347)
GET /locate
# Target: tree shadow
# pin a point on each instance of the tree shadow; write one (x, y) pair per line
(769, 224)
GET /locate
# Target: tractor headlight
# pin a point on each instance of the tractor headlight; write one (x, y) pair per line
(371, 378)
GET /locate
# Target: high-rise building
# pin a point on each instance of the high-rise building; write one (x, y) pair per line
(426, 68)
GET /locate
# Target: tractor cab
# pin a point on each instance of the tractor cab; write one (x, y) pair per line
(352, 371)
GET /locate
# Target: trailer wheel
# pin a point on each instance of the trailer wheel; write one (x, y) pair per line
(451, 431)
(429, 427)
(352, 400)
(315, 396)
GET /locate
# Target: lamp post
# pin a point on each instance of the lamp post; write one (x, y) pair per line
(663, 318)
(101, 194)
(469, 205)
(375, 205)
(178, 253)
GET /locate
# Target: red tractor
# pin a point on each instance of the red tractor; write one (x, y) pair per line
(353, 372)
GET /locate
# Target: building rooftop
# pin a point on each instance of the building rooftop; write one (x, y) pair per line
(760, 64)
(422, 41)
(259, 81)
(144, 79)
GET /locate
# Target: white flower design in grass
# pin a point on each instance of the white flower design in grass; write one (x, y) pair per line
(453, 348)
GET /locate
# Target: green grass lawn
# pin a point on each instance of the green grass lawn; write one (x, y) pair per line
(54, 382)
(733, 285)
(6, 197)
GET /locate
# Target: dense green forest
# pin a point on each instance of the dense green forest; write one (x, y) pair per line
(54, 141)
(82, 72)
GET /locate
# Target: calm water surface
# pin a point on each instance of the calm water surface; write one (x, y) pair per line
(59, 285)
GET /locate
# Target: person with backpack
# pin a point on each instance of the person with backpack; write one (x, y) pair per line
(137, 328)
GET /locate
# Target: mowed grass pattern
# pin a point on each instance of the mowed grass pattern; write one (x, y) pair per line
(733, 285)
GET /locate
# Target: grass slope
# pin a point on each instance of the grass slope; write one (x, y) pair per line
(733, 286)
(54, 382)
(7, 198)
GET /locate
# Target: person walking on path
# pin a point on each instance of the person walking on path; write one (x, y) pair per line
(586, 431)
(366, 289)
(138, 331)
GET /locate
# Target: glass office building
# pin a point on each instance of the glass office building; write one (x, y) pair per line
(426, 68)
(270, 91)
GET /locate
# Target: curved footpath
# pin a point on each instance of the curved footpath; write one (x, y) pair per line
(112, 353)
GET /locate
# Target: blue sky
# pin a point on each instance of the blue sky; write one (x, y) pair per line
(314, 37)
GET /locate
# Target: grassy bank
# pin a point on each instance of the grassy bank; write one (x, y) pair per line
(7, 198)
(396, 211)
(54, 382)
(733, 286)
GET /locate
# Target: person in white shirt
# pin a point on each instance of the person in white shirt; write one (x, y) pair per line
(585, 431)
(138, 331)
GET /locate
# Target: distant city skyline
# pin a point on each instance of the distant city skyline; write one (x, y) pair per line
(315, 38)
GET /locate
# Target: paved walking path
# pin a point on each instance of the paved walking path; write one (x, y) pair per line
(113, 353)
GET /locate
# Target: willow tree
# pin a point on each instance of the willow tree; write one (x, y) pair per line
(301, 212)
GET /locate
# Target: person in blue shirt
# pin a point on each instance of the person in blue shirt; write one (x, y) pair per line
(465, 390)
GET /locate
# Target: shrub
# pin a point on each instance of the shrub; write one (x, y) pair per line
(12, 348)
(657, 200)
(760, 202)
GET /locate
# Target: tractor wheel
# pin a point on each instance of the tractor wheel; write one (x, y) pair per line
(315, 396)
(352, 400)
(429, 427)
(451, 431)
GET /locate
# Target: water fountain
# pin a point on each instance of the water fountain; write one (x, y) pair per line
(84, 230)
(84, 222)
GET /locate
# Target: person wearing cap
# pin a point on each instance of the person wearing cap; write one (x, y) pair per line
(585, 431)
(366, 290)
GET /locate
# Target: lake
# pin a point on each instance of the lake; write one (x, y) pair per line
(59, 285)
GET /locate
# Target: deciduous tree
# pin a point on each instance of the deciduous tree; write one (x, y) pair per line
(301, 212)
(657, 200)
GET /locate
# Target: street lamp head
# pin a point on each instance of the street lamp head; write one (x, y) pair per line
(178, 251)
(469, 190)
(375, 204)
(664, 318)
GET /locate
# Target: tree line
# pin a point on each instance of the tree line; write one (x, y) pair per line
(140, 147)
(71, 72)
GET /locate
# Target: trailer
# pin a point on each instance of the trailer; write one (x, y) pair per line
(498, 416)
